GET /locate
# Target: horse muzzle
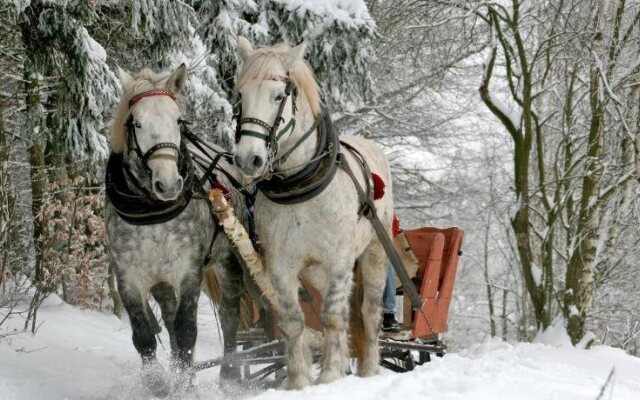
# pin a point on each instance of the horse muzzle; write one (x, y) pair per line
(251, 165)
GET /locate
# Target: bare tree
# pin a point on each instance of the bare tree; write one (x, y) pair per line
(558, 64)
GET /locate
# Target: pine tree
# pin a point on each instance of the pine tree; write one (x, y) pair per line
(338, 35)
(79, 87)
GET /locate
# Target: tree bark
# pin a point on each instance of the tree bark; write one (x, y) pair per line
(579, 280)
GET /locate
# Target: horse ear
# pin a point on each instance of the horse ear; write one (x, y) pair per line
(125, 79)
(245, 49)
(176, 81)
(297, 53)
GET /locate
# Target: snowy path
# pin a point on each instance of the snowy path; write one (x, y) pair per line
(87, 355)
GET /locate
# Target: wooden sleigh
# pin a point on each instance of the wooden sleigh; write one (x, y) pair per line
(431, 258)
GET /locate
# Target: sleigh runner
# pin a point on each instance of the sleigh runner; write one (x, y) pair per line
(429, 257)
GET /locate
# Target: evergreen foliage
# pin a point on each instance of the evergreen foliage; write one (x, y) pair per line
(72, 48)
(58, 92)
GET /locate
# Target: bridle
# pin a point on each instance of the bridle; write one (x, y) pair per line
(273, 135)
(132, 138)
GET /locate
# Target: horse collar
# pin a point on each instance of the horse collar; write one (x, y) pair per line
(312, 179)
(135, 204)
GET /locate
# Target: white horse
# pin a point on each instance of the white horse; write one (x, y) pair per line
(317, 239)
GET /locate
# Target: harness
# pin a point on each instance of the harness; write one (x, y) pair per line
(132, 138)
(316, 174)
(137, 205)
(319, 172)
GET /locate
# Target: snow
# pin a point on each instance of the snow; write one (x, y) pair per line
(78, 354)
(573, 310)
(536, 272)
(555, 335)
(346, 11)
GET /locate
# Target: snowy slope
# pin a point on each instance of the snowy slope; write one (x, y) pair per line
(88, 355)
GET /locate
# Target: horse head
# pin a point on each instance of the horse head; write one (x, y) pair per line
(275, 85)
(147, 130)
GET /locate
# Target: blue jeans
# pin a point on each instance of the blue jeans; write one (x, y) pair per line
(389, 294)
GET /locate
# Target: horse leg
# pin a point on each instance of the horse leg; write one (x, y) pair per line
(291, 321)
(165, 296)
(335, 314)
(229, 274)
(144, 340)
(373, 264)
(185, 323)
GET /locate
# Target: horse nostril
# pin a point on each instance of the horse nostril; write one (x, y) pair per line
(257, 161)
(158, 187)
(179, 184)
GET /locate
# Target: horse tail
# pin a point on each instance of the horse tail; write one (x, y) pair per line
(211, 287)
(356, 323)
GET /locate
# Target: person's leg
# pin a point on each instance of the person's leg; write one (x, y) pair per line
(389, 295)
(389, 323)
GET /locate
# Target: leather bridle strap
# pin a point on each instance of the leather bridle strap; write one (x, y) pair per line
(271, 137)
(151, 152)
(151, 93)
(131, 131)
(304, 137)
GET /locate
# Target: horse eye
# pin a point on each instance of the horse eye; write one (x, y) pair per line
(137, 124)
(279, 97)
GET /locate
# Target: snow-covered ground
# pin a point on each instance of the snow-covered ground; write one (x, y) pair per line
(80, 354)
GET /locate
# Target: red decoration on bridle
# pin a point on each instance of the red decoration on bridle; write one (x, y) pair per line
(151, 93)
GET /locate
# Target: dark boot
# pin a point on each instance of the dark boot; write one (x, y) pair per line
(389, 323)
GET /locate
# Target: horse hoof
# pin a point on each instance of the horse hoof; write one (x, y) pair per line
(298, 382)
(328, 377)
(364, 371)
(155, 379)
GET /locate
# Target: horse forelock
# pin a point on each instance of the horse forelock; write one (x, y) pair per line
(144, 80)
(265, 61)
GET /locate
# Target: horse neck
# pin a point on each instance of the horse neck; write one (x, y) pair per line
(299, 158)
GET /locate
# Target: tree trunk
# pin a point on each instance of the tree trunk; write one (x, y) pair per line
(579, 280)
(492, 321)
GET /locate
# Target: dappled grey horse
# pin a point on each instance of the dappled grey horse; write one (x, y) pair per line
(160, 237)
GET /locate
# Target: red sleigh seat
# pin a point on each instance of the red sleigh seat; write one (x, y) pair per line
(437, 251)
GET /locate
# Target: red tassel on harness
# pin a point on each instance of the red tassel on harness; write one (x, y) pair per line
(378, 186)
(221, 187)
(395, 226)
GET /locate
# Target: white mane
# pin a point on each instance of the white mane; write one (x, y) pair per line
(264, 61)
